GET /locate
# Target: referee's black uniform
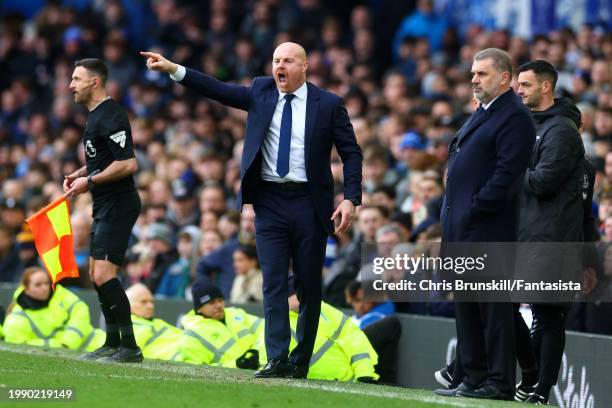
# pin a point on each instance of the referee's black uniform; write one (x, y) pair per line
(116, 205)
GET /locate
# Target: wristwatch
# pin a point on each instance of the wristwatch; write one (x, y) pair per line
(355, 201)
(90, 184)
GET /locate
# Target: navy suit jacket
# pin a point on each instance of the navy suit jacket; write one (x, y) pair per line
(327, 124)
(487, 160)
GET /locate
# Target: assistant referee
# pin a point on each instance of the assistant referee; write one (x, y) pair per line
(107, 174)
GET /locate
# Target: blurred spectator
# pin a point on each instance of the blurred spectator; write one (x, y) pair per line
(10, 265)
(212, 198)
(163, 250)
(366, 312)
(218, 266)
(424, 22)
(182, 209)
(178, 275)
(211, 240)
(12, 214)
(27, 250)
(375, 167)
(247, 287)
(229, 224)
(387, 237)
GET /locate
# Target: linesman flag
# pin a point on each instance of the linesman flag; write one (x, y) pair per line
(53, 239)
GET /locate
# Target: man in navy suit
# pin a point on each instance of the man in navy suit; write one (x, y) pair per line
(487, 160)
(285, 173)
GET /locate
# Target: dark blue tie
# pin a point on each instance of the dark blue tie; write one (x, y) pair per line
(284, 144)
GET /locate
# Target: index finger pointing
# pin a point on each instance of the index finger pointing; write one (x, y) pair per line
(149, 54)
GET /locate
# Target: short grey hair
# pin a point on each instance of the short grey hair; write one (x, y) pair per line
(404, 248)
(501, 59)
(386, 229)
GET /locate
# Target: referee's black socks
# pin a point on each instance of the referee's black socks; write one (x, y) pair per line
(119, 306)
(112, 328)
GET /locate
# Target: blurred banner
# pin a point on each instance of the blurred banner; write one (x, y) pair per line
(527, 17)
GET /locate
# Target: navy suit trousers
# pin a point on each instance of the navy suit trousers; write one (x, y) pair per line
(288, 229)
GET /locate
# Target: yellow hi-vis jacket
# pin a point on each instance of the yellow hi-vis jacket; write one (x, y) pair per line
(156, 338)
(212, 342)
(64, 322)
(342, 352)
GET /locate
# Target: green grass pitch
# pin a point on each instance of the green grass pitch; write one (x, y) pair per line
(168, 385)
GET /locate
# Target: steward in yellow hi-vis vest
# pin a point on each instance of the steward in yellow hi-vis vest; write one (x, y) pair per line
(342, 352)
(216, 335)
(40, 317)
(156, 338)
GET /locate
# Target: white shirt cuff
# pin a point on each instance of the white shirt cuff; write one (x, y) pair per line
(179, 74)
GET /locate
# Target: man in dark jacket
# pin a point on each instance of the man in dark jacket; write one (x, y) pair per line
(487, 160)
(551, 209)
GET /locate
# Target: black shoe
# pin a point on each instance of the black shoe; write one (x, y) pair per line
(523, 392)
(452, 392)
(103, 351)
(444, 378)
(485, 392)
(276, 368)
(300, 371)
(536, 399)
(124, 355)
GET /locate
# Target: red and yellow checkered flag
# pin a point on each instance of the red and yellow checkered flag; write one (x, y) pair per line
(53, 239)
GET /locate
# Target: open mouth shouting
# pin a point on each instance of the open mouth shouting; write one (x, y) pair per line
(282, 78)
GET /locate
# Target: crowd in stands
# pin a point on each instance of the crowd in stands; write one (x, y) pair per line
(404, 74)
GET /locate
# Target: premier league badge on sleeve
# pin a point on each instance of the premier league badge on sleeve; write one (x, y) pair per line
(90, 150)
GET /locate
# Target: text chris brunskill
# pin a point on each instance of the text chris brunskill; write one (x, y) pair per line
(505, 285)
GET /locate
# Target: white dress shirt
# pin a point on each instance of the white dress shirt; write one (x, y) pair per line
(297, 162)
(297, 159)
(179, 74)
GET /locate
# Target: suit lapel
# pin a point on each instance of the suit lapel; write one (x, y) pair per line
(474, 122)
(478, 120)
(312, 107)
(268, 108)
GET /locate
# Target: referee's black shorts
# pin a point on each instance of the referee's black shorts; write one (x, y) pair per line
(112, 227)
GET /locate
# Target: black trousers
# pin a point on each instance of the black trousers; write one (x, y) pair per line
(485, 344)
(384, 336)
(522, 343)
(548, 341)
